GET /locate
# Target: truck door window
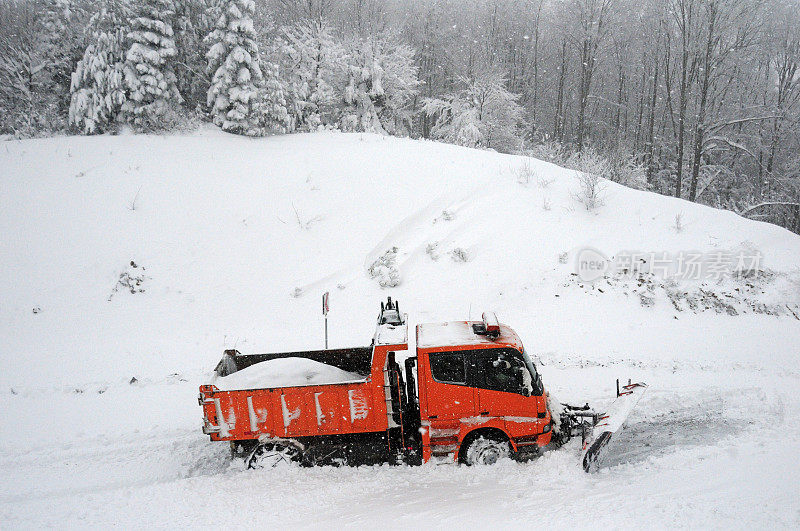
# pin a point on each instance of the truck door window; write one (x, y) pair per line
(504, 371)
(448, 367)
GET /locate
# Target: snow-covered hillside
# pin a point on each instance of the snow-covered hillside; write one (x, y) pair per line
(131, 262)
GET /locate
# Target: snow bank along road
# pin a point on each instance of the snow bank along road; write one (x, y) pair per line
(146, 256)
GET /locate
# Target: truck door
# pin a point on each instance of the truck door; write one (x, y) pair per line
(448, 396)
(505, 386)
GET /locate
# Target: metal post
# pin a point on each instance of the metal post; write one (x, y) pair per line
(325, 297)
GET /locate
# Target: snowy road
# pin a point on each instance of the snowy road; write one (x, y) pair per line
(693, 429)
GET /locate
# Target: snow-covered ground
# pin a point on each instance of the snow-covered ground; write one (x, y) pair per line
(131, 262)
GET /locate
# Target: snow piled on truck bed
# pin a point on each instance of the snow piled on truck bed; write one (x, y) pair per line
(130, 263)
(284, 372)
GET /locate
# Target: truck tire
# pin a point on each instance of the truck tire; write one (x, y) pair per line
(485, 450)
(273, 454)
(242, 449)
(325, 455)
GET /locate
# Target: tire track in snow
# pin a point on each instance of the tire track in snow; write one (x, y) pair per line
(110, 463)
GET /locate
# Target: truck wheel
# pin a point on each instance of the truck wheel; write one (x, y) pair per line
(486, 451)
(325, 456)
(242, 449)
(274, 453)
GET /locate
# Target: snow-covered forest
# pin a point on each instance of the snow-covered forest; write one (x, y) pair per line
(698, 99)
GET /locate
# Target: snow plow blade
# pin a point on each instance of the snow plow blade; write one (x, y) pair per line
(610, 422)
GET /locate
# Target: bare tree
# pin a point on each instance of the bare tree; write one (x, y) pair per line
(592, 30)
(728, 28)
(558, 126)
(684, 15)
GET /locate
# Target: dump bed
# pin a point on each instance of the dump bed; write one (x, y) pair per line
(357, 405)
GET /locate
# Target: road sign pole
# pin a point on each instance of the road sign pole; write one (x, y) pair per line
(325, 297)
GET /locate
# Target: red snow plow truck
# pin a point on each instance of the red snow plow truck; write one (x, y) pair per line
(469, 395)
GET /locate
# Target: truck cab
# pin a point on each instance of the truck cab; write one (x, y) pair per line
(477, 383)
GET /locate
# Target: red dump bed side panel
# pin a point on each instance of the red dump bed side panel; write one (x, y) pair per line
(293, 411)
(298, 411)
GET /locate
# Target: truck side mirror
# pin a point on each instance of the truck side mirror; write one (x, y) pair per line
(524, 390)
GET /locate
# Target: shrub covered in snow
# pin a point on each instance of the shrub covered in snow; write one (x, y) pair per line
(130, 280)
(525, 172)
(460, 254)
(620, 166)
(588, 161)
(548, 151)
(589, 193)
(627, 169)
(384, 269)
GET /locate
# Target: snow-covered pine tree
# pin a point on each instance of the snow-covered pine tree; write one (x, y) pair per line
(150, 78)
(235, 98)
(271, 108)
(312, 59)
(381, 81)
(98, 87)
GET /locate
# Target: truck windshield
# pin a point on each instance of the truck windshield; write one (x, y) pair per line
(537, 383)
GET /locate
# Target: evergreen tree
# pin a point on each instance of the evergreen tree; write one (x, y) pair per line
(234, 65)
(149, 73)
(273, 116)
(98, 88)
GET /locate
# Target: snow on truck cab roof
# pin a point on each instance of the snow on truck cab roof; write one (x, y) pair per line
(457, 333)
